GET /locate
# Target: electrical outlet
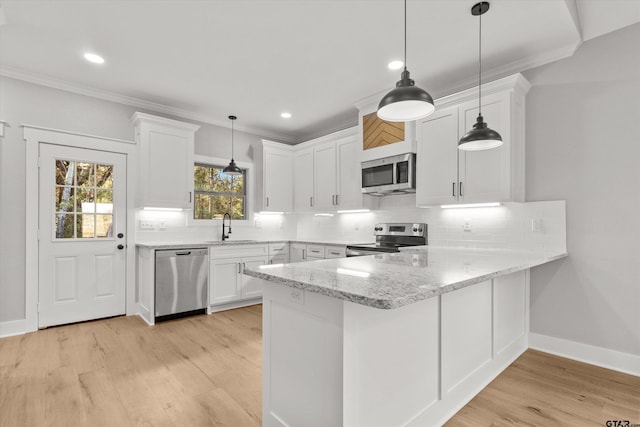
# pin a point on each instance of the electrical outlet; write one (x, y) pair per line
(146, 225)
(467, 225)
(536, 226)
(162, 225)
(257, 224)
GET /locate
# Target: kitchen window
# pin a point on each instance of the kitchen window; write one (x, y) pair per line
(217, 193)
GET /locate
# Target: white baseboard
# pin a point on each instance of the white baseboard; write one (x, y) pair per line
(14, 327)
(599, 356)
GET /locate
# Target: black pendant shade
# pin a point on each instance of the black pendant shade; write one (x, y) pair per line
(481, 137)
(232, 168)
(406, 102)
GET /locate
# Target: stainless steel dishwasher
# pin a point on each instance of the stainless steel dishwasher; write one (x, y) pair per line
(181, 282)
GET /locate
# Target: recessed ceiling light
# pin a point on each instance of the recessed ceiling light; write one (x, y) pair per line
(92, 57)
(285, 115)
(395, 65)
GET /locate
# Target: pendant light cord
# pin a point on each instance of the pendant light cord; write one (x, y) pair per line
(232, 139)
(479, 65)
(405, 34)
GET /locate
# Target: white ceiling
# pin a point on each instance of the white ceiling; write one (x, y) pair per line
(204, 60)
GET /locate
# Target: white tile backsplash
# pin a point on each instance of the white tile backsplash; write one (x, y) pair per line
(503, 227)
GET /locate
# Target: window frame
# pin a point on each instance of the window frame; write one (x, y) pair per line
(248, 198)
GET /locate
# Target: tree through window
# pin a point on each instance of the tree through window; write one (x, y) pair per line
(217, 193)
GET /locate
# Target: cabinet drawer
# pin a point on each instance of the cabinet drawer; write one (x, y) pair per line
(278, 248)
(335, 251)
(315, 251)
(236, 251)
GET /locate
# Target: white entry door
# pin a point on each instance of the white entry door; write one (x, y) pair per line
(82, 226)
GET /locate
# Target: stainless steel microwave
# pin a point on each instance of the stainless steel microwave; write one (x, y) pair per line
(389, 175)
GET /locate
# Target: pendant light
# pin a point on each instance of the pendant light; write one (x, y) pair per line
(406, 102)
(232, 168)
(481, 137)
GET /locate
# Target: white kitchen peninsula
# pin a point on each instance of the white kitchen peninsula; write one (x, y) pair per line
(401, 339)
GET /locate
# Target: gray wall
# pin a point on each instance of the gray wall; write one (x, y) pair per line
(583, 145)
(26, 103)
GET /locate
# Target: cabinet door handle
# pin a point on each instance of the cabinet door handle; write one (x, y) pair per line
(243, 267)
(337, 200)
(311, 201)
(189, 196)
(304, 254)
(334, 253)
(453, 189)
(460, 189)
(239, 268)
(267, 202)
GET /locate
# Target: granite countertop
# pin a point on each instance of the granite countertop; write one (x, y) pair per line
(392, 280)
(231, 242)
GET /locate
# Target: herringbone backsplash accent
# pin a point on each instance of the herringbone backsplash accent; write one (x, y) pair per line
(377, 132)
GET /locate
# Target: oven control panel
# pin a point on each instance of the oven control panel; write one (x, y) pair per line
(400, 229)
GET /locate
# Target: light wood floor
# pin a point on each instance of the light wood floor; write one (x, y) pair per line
(206, 371)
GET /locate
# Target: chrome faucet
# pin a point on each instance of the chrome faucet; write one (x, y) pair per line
(226, 236)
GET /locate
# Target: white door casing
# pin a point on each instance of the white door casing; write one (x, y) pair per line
(82, 261)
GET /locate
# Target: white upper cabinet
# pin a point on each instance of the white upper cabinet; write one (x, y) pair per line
(325, 176)
(437, 158)
(303, 172)
(277, 177)
(327, 173)
(349, 176)
(166, 150)
(446, 175)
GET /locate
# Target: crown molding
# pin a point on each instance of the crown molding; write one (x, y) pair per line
(44, 80)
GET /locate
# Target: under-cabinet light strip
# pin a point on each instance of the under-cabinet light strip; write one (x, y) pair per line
(471, 205)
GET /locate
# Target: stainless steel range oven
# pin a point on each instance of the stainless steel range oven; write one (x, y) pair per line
(390, 237)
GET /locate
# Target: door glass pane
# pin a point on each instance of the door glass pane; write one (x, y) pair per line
(104, 224)
(85, 174)
(105, 197)
(84, 200)
(63, 226)
(104, 176)
(64, 172)
(65, 199)
(85, 226)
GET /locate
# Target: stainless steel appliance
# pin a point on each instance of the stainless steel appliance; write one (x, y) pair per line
(181, 282)
(390, 237)
(389, 175)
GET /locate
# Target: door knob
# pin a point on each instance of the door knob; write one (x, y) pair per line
(120, 247)
(120, 235)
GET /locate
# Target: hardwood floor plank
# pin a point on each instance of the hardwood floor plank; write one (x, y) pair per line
(101, 402)
(207, 371)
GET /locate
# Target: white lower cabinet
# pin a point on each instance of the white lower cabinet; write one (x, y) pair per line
(223, 280)
(301, 252)
(279, 253)
(298, 252)
(227, 283)
(444, 350)
(335, 251)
